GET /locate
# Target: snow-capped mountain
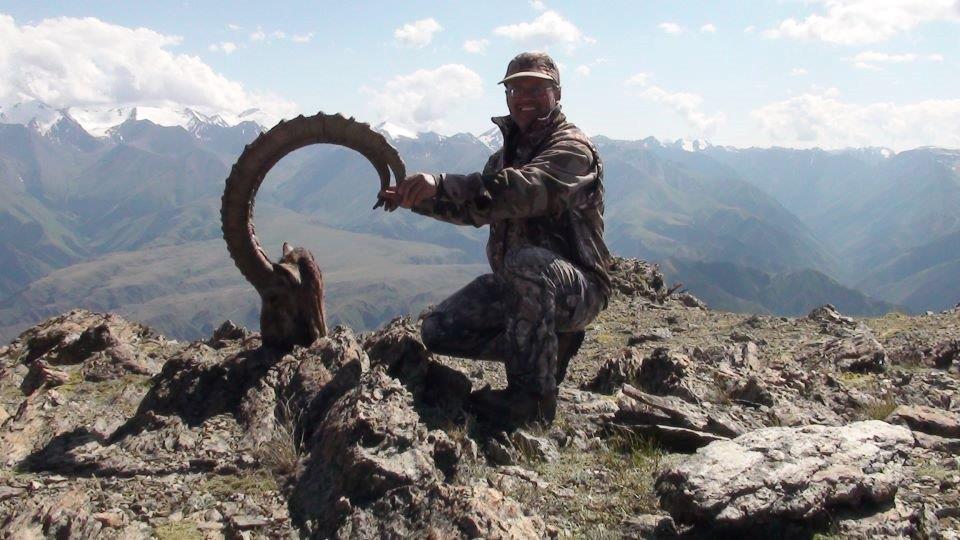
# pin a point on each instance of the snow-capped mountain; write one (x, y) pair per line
(35, 114)
(492, 137)
(394, 131)
(100, 121)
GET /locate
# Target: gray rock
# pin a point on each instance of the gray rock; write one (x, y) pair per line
(538, 448)
(860, 352)
(829, 315)
(654, 334)
(663, 373)
(500, 454)
(928, 420)
(785, 474)
(615, 371)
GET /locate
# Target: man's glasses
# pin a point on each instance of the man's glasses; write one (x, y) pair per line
(535, 92)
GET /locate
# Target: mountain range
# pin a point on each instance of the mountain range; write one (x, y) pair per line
(124, 217)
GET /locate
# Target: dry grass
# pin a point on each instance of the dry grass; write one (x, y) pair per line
(281, 453)
(879, 410)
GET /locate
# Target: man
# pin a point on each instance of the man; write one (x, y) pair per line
(542, 195)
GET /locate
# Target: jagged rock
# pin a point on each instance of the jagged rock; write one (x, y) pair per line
(928, 420)
(620, 369)
(828, 314)
(501, 453)
(226, 332)
(787, 475)
(691, 301)
(533, 447)
(940, 444)
(399, 348)
(41, 373)
(944, 354)
(752, 390)
(859, 353)
(638, 407)
(637, 278)
(663, 373)
(654, 335)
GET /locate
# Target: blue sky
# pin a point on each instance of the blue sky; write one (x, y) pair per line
(828, 73)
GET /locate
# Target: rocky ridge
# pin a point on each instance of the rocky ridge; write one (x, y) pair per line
(674, 420)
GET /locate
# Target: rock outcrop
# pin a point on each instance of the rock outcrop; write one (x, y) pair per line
(779, 477)
(673, 420)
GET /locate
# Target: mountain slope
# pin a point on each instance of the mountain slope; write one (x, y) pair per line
(730, 287)
(188, 289)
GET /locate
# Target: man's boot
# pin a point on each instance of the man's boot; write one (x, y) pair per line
(511, 408)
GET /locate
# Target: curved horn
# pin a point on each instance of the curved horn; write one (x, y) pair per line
(262, 154)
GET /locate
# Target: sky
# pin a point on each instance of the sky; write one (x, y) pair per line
(795, 73)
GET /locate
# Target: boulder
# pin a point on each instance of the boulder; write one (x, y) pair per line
(929, 420)
(775, 476)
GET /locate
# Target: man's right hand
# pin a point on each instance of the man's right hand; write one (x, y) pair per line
(413, 190)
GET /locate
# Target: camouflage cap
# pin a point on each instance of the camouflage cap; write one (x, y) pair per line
(532, 64)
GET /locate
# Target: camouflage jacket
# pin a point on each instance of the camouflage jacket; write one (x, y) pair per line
(542, 188)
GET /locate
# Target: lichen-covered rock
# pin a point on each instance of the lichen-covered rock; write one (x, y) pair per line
(785, 475)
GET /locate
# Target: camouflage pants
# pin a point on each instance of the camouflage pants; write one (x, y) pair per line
(521, 316)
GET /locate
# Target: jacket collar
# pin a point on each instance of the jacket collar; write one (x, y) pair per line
(538, 130)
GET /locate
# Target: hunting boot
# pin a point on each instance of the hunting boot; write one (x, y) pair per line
(511, 408)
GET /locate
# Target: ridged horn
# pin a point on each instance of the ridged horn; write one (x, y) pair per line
(236, 211)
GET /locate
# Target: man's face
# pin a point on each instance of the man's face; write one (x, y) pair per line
(529, 98)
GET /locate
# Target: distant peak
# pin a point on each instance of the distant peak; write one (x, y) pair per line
(395, 131)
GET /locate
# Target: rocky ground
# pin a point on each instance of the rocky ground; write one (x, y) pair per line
(674, 421)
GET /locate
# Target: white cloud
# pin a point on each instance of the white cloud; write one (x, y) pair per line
(870, 56)
(234, 27)
(854, 22)
(278, 34)
(476, 46)
(708, 28)
(418, 33)
(637, 79)
(225, 47)
(798, 72)
(538, 5)
(547, 29)
(259, 35)
(68, 62)
(686, 104)
(750, 29)
(302, 38)
(823, 120)
(869, 59)
(422, 100)
(670, 28)
(583, 70)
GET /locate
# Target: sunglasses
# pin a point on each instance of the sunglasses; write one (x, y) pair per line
(537, 91)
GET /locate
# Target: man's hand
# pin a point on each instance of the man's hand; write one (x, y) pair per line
(412, 191)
